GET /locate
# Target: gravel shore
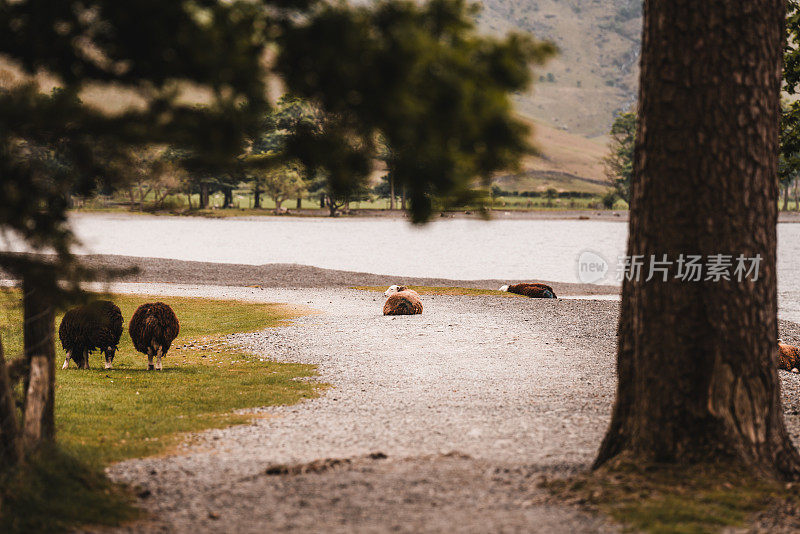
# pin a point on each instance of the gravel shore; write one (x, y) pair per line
(283, 275)
(437, 423)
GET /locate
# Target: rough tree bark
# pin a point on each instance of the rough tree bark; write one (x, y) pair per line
(37, 401)
(697, 360)
(10, 445)
(39, 340)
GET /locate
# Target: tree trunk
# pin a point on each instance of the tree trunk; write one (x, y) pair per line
(256, 196)
(696, 361)
(39, 340)
(391, 192)
(403, 199)
(278, 203)
(786, 198)
(37, 403)
(299, 202)
(203, 196)
(10, 446)
(796, 195)
(227, 201)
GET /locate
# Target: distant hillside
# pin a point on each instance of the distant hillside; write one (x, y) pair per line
(567, 162)
(596, 72)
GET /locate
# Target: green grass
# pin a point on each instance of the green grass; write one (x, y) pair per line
(664, 499)
(103, 416)
(55, 492)
(433, 290)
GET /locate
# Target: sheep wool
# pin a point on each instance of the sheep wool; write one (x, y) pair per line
(788, 357)
(153, 328)
(94, 326)
(402, 302)
(533, 290)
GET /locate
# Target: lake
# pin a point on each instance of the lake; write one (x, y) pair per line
(449, 248)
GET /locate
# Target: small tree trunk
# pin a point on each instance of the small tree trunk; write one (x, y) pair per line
(257, 196)
(203, 196)
(278, 203)
(786, 198)
(37, 403)
(189, 199)
(227, 201)
(299, 202)
(391, 191)
(322, 200)
(10, 443)
(403, 199)
(39, 339)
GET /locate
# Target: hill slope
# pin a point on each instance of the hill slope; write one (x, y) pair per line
(596, 72)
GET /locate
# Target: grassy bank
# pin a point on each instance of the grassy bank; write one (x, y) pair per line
(433, 290)
(104, 416)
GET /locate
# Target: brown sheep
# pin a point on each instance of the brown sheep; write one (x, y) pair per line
(534, 290)
(153, 328)
(788, 357)
(402, 301)
(97, 325)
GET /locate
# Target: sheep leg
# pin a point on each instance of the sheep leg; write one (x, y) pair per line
(150, 359)
(86, 359)
(108, 362)
(66, 361)
(158, 362)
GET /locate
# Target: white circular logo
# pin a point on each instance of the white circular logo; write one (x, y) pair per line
(592, 267)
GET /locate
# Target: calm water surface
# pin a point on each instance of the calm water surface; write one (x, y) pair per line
(457, 249)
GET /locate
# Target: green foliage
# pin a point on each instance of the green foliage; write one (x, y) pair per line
(789, 160)
(791, 56)
(421, 77)
(609, 199)
(619, 162)
(153, 50)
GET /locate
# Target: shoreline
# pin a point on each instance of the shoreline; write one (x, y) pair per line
(492, 215)
(291, 275)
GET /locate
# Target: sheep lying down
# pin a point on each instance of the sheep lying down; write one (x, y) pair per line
(535, 290)
(94, 326)
(402, 301)
(788, 357)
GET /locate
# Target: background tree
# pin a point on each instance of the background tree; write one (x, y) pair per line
(419, 78)
(619, 162)
(697, 360)
(281, 183)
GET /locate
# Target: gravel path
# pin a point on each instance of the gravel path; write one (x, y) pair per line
(469, 403)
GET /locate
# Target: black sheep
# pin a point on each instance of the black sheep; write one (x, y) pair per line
(97, 325)
(153, 327)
